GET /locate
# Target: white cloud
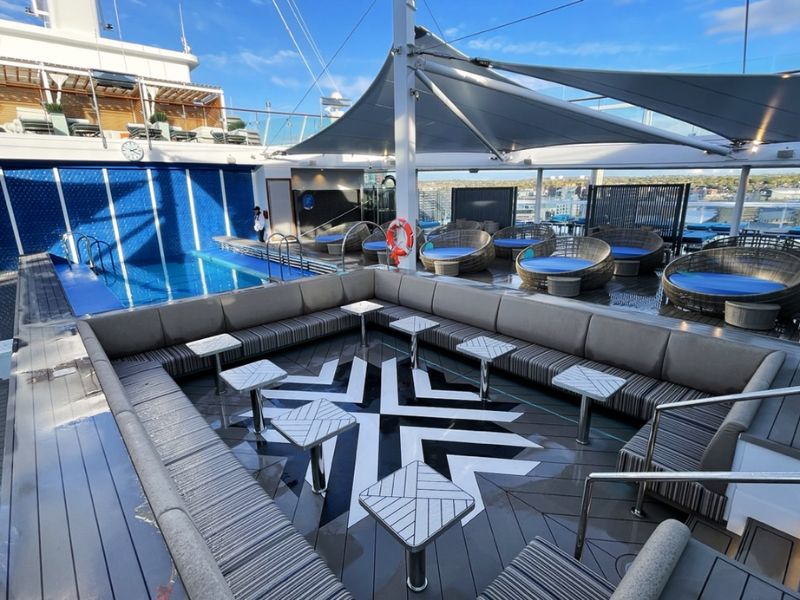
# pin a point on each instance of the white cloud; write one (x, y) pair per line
(254, 60)
(766, 16)
(285, 82)
(451, 32)
(352, 86)
(503, 46)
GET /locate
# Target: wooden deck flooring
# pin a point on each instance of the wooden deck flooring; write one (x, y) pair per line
(75, 522)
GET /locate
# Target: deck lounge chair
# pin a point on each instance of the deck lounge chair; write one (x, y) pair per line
(641, 245)
(509, 239)
(459, 251)
(704, 280)
(588, 258)
(83, 128)
(137, 131)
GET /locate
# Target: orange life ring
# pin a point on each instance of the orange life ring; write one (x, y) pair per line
(396, 247)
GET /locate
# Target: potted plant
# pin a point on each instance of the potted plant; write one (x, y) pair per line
(159, 118)
(55, 113)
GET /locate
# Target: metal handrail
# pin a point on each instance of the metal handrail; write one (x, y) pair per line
(637, 510)
(718, 476)
(287, 239)
(89, 241)
(347, 233)
(330, 221)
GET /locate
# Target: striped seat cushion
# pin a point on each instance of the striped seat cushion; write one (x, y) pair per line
(543, 572)
(546, 365)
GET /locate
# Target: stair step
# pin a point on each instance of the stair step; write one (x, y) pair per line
(714, 535)
(771, 553)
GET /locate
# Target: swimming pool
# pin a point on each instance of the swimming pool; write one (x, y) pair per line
(182, 276)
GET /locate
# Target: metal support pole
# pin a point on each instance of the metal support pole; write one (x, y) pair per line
(414, 350)
(484, 391)
(255, 403)
(363, 331)
(638, 508)
(415, 570)
(318, 484)
(537, 211)
(738, 207)
(584, 420)
(218, 367)
(405, 129)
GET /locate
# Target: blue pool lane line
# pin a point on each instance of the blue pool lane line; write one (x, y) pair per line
(252, 265)
(85, 291)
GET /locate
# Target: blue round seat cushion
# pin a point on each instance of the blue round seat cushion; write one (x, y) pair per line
(515, 242)
(429, 224)
(442, 253)
(628, 252)
(330, 238)
(555, 264)
(376, 245)
(724, 284)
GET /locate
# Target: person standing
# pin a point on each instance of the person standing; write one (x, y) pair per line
(259, 222)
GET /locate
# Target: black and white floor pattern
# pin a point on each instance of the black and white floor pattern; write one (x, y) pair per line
(516, 456)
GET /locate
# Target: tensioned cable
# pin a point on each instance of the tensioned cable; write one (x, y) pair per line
(435, 21)
(514, 22)
(328, 64)
(297, 46)
(310, 39)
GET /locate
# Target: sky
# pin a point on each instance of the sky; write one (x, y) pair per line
(243, 46)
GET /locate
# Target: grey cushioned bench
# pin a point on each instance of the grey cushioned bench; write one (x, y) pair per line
(670, 566)
(251, 543)
(660, 364)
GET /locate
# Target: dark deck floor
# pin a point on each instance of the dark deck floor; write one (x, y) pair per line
(522, 460)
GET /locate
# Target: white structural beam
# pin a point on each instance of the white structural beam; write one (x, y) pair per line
(523, 92)
(451, 106)
(738, 206)
(537, 213)
(405, 128)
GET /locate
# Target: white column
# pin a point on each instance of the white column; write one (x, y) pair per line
(596, 178)
(537, 214)
(738, 206)
(405, 132)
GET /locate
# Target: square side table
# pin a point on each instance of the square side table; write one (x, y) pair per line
(254, 377)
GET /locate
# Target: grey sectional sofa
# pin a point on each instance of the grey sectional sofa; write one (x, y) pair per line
(660, 364)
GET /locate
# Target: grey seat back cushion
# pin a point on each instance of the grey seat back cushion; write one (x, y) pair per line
(652, 568)
(627, 344)
(192, 320)
(558, 327)
(259, 305)
(387, 285)
(322, 293)
(467, 305)
(709, 364)
(128, 332)
(417, 292)
(359, 285)
(718, 455)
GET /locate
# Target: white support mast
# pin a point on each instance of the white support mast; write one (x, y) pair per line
(405, 128)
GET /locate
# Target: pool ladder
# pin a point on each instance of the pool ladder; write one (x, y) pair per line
(89, 243)
(284, 239)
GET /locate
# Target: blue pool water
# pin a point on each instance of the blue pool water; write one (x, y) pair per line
(178, 277)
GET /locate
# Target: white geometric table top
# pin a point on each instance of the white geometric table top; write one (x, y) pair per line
(361, 308)
(253, 375)
(589, 382)
(485, 348)
(313, 423)
(416, 504)
(413, 325)
(213, 345)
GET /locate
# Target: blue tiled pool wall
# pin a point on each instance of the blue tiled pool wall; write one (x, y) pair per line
(36, 209)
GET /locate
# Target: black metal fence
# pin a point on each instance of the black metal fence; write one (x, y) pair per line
(660, 207)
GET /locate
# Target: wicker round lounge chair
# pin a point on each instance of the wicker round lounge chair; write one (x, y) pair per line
(459, 251)
(329, 239)
(634, 244)
(376, 242)
(509, 239)
(787, 244)
(584, 257)
(704, 280)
